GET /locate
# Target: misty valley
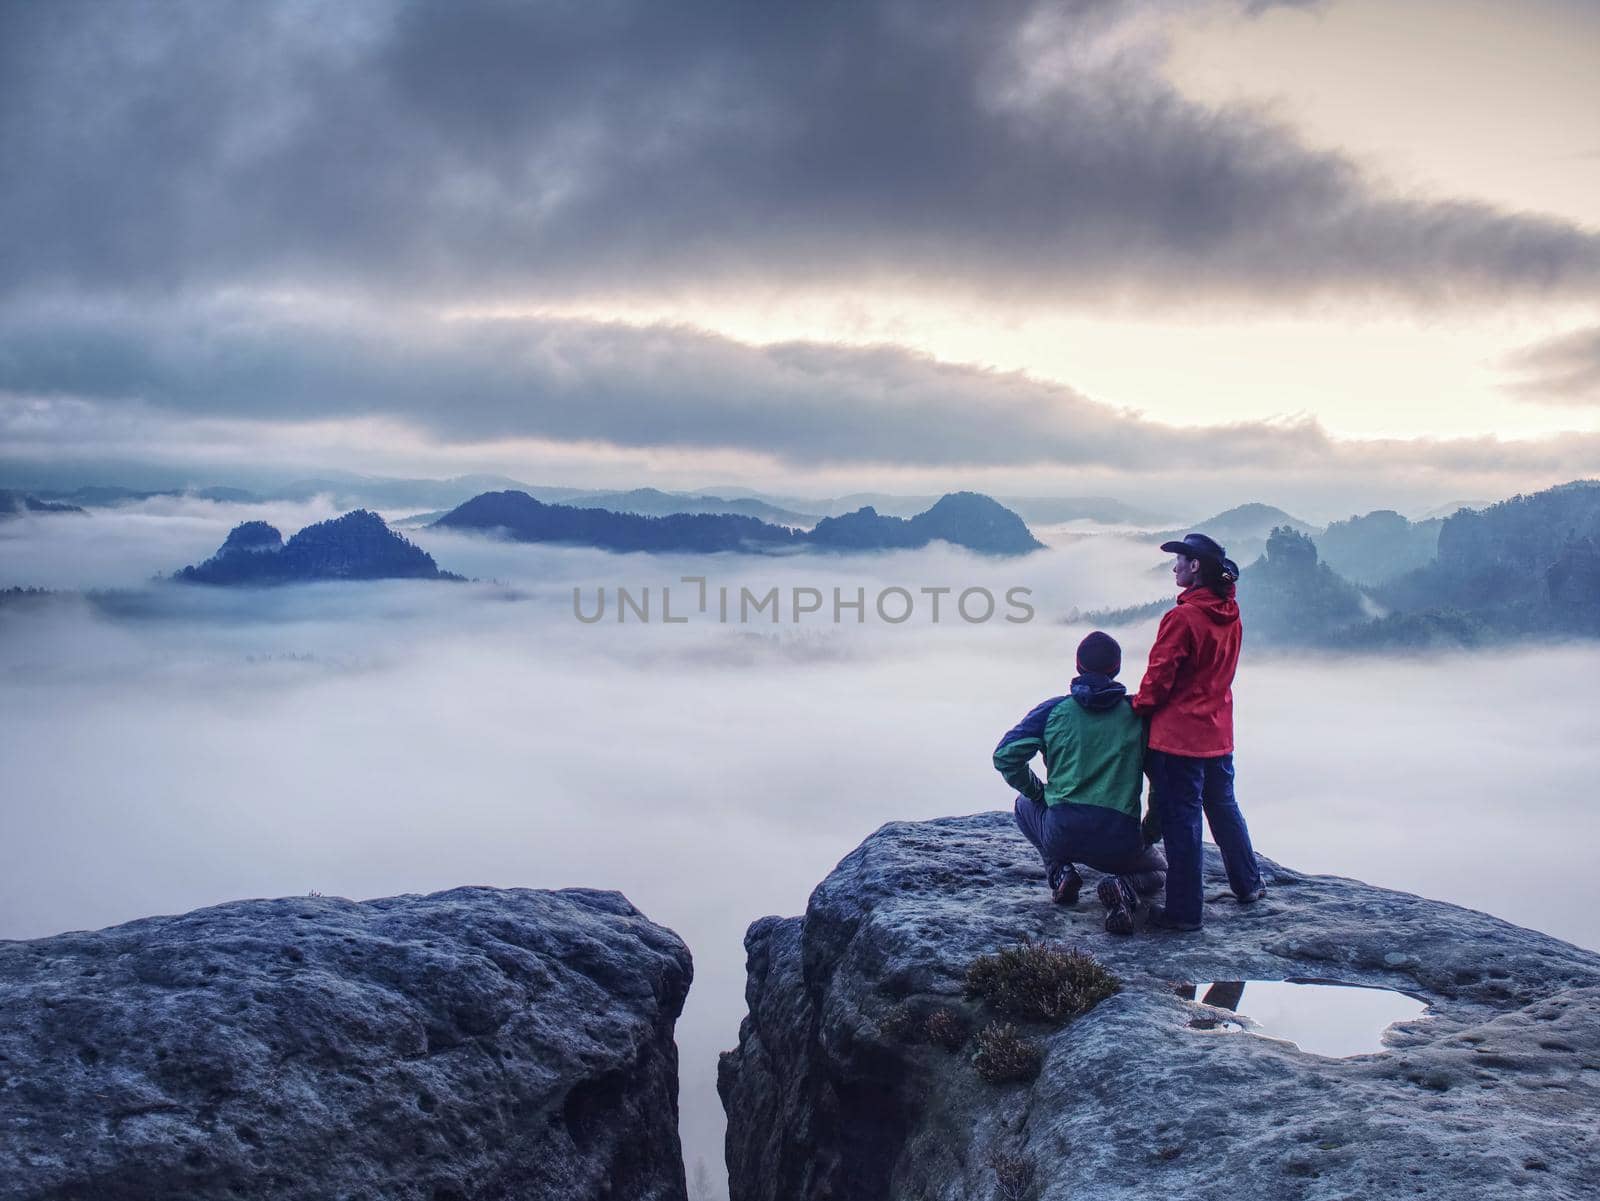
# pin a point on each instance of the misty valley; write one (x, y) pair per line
(184, 741)
(819, 602)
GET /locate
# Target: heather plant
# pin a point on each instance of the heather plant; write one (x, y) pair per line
(1013, 1175)
(1040, 981)
(902, 1024)
(944, 1028)
(906, 1023)
(1003, 1055)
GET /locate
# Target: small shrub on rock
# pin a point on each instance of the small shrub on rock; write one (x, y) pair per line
(912, 1025)
(1013, 1175)
(944, 1028)
(901, 1024)
(1040, 981)
(1003, 1055)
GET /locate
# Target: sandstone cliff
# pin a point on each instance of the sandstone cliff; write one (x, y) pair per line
(839, 1087)
(476, 1043)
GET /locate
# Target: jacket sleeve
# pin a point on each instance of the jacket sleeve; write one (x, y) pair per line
(1174, 641)
(1021, 743)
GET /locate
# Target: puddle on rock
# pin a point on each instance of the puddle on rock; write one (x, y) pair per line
(1322, 1017)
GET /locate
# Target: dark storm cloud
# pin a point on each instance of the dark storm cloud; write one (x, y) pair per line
(1017, 147)
(1562, 370)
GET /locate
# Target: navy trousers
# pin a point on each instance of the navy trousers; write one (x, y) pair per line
(1185, 788)
(1064, 838)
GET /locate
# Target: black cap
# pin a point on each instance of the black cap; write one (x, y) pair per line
(1196, 546)
(1100, 652)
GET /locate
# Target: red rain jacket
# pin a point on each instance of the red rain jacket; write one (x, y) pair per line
(1188, 687)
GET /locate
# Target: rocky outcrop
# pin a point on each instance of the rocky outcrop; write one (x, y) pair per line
(966, 519)
(961, 518)
(521, 518)
(840, 1089)
(1293, 599)
(251, 537)
(476, 1043)
(357, 546)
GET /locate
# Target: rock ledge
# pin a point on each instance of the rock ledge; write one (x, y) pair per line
(476, 1043)
(1497, 1093)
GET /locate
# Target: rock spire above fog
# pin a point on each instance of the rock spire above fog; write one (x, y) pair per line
(357, 546)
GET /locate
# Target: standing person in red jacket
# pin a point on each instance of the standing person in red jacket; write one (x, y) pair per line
(1187, 694)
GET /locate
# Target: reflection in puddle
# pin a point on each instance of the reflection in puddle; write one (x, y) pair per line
(1328, 1019)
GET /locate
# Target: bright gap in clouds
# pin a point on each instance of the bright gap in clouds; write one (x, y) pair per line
(1390, 373)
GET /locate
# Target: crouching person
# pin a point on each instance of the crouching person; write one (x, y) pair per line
(1087, 811)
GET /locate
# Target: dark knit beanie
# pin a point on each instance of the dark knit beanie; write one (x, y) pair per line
(1100, 652)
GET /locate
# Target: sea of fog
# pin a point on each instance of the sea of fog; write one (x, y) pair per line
(185, 746)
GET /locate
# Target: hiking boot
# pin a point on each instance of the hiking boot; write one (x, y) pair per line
(1160, 921)
(1065, 885)
(1254, 895)
(1120, 901)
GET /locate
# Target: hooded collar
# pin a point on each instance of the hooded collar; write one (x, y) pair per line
(1221, 610)
(1096, 691)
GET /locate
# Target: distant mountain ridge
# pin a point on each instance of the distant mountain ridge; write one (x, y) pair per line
(1525, 567)
(1243, 529)
(1052, 510)
(1367, 548)
(1530, 564)
(1379, 546)
(525, 519)
(1042, 510)
(15, 504)
(429, 498)
(965, 519)
(346, 491)
(101, 496)
(356, 546)
(653, 502)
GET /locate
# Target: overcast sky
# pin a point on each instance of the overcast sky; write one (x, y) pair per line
(1283, 251)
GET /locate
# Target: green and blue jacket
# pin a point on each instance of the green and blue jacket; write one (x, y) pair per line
(1093, 746)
